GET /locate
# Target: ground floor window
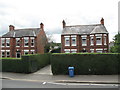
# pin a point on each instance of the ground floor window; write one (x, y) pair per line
(70, 50)
(92, 50)
(73, 50)
(99, 50)
(67, 50)
(7, 53)
(3, 53)
(18, 55)
(26, 52)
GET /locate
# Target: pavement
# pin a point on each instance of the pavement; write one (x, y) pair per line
(45, 75)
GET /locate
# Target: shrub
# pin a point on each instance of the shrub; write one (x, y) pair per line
(93, 64)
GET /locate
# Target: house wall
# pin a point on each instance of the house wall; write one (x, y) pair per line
(79, 46)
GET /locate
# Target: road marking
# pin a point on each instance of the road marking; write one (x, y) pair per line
(44, 83)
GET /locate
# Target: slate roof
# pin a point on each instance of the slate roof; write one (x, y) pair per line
(84, 29)
(22, 32)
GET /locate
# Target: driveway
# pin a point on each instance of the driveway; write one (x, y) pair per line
(46, 70)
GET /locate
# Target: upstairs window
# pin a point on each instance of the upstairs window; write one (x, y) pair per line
(73, 41)
(32, 41)
(17, 42)
(105, 41)
(84, 41)
(7, 42)
(26, 41)
(98, 40)
(67, 41)
(3, 42)
(91, 40)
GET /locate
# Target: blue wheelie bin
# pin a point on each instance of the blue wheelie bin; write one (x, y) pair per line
(71, 71)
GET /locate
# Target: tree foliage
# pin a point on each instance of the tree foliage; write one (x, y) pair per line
(116, 47)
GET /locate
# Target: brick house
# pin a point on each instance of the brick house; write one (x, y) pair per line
(85, 38)
(19, 42)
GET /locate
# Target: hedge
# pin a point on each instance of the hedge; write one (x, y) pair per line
(27, 64)
(85, 64)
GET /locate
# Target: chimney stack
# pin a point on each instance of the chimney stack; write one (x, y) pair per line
(42, 26)
(64, 24)
(11, 27)
(102, 21)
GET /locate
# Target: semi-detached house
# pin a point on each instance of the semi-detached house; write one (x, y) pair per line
(85, 38)
(19, 42)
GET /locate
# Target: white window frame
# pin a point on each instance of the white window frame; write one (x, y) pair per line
(2, 40)
(7, 42)
(99, 41)
(67, 50)
(7, 54)
(99, 50)
(105, 38)
(2, 53)
(26, 38)
(32, 51)
(73, 50)
(32, 38)
(92, 40)
(67, 43)
(26, 51)
(17, 42)
(73, 43)
(84, 38)
(91, 50)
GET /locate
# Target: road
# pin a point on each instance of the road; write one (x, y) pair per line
(35, 84)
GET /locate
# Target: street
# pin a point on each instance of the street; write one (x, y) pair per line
(35, 84)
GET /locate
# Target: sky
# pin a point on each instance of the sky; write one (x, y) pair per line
(30, 13)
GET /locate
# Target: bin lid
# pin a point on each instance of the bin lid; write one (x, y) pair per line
(70, 67)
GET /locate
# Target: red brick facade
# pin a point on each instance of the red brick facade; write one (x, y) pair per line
(30, 44)
(100, 41)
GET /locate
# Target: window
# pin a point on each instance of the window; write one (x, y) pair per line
(8, 53)
(3, 42)
(67, 41)
(99, 50)
(26, 40)
(17, 42)
(73, 50)
(98, 41)
(73, 41)
(32, 41)
(67, 50)
(32, 51)
(92, 40)
(84, 42)
(104, 40)
(7, 42)
(18, 54)
(92, 50)
(26, 52)
(3, 53)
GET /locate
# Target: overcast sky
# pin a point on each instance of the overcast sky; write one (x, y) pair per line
(30, 13)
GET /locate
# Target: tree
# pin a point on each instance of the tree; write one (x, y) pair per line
(116, 47)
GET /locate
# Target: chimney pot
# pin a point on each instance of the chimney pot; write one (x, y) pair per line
(102, 21)
(64, 24)
(11, 27)
(41, 25)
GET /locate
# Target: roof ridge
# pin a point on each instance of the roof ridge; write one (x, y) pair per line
(83, 25)
(27, 28)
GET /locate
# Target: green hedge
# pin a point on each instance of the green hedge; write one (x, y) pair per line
(93, 64)
(27, 64)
